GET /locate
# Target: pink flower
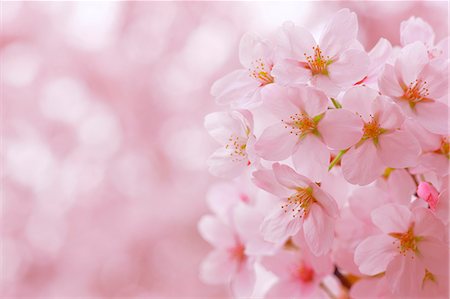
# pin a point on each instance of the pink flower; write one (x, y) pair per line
(299, 273)
(229, 262)
(243, 87)
(384, 142)
(415, 29)
(419, 86)
(234, 131)
(378, 56)
(303, 205)
(410, 250)
(336, 61)
(428, 193)
(305, 126)
(436, 157)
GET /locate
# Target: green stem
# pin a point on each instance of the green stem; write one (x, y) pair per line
(336, 103)
(337, 159)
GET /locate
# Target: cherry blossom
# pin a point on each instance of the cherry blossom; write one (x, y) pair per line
(303, 204)
(234, 131)
(336, 61)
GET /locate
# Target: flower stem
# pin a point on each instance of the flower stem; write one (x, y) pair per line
(337, 159)
(344, 281)
(336, 103)
(327, 290)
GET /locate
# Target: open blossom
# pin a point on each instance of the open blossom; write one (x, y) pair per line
(384, 142)
(299, 272)
(303, 205)
(419, 86)
(229, 261)
(234, 131)
(305, 126)
(415, 29)
(243, 87)
(410, 250)
(336, 61)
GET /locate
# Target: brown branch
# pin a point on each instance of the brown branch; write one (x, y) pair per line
(344, 281)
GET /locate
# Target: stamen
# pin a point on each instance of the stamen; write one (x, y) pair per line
(237, 146)
(260, 71)
(372, 129)
(406, 241)
(416, 91)
(300, 202)
(317, 63)
(300, 124)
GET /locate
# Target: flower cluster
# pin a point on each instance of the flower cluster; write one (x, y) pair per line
(337, 166)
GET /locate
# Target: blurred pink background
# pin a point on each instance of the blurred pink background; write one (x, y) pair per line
(103, 148)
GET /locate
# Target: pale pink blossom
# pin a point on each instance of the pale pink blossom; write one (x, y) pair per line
(410, 250)
(378, 56)
(303, 204)
(419, 86)
(234, 131)
(242, 88)
(299, 273)
(229, 262)
(384, 143)
(305, 126)
(336, 61)
(416, 29)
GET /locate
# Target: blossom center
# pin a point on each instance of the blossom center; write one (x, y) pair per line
(238, 252)
(305, 273)
(300, 124)
(416, 91)
(372, 129)
(300, 202)
(237, 147)
(260, 71)
(317, 63)
(406, 241)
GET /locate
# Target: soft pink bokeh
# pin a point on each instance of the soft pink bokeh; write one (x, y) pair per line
(103, 146)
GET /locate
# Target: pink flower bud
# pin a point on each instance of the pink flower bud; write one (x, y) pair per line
(427, 192)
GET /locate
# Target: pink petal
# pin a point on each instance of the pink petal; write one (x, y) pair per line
(312, 166)
(243, 283)
(276, 143)
(401, 186)
(287, 177)
(217, 267)
(398, 149)
(392, 218)
(340, 128)
(325, 84)
(416, 29)
(374, 254)
(293, 41)
(265, 179)
(328, 203)
(279, 226)
(401, 275)
(339, 32)
(281, 263)
(290, 72)
(390, 115)
(434, 254)
(359, 100)
(364, 200)
(433, 116)
(411, 61)
(434, 162)
(429, 194)
(235, 85)
(361, 165)
(388, 82)
(284, 289)
(318, 228)
(276, 101)
(310, 100)
(379, 54)
(223, 164)
(251, 47)
(427, 224)
(436, 76)
(429, 142)
(221, 125)
(351, 66)
(215, 232)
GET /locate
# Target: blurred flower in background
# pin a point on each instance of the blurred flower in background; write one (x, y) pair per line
(104, 152)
